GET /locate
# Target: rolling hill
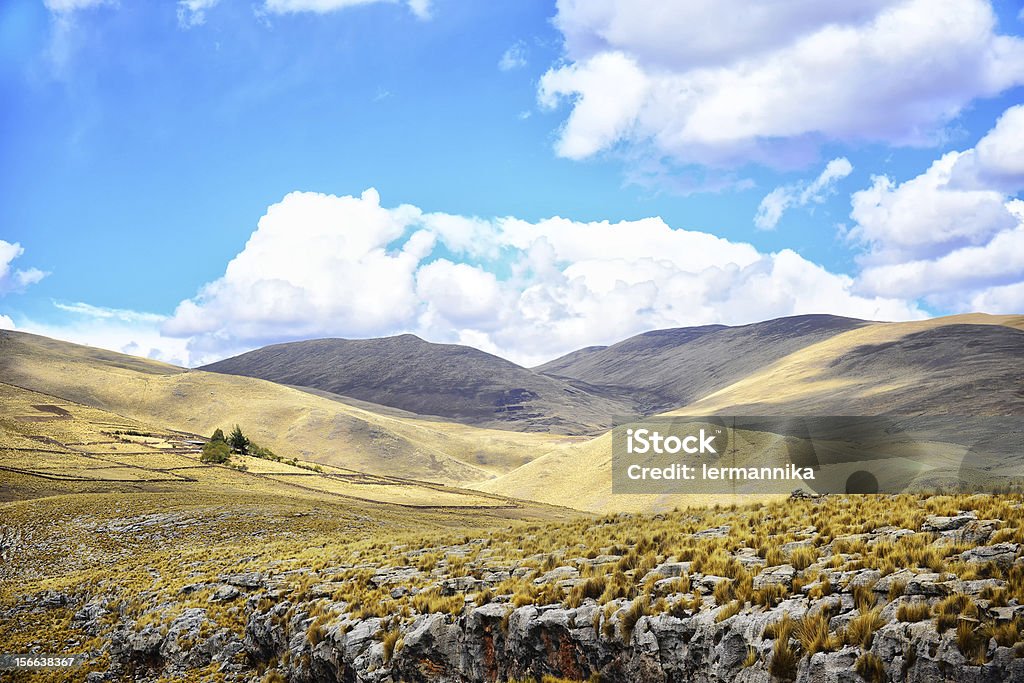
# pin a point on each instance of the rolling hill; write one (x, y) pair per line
(450, 381)
(811, 365)
(665, 369)
(294, 423)
(958, 365)
(51, 446)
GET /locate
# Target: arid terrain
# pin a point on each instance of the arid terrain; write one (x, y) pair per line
(417, 529)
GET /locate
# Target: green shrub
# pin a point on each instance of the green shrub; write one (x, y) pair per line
(215, 452)
(263, 452)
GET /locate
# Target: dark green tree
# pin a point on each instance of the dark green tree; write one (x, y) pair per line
(218, 435)
(238, 441)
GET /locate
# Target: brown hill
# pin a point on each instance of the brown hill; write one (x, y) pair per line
(664, 369)
(446, 380)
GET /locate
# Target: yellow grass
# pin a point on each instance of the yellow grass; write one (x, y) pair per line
(291, 422)
(803, 374)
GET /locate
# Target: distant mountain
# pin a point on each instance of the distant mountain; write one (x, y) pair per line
(446, 380)
(960, 366)
(809, 365)
(665, 369)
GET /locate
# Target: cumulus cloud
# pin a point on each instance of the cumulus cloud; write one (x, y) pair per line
(513, 58)
(997, 161)
(727, 83)
(420, 8)
(953, 235)
(776, 202)
(11, 279)
(458, 293)
(193, 12)
(315, 263)
(323, 265)
(6, 323)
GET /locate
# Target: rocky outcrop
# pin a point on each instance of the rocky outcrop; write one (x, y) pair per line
(495, 642)
(680, 626)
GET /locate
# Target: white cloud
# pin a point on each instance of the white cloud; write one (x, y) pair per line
(997, 161)
(951, 275)
(728, 83)
(459, 293)
(12, 280)
(610, 90)
(315, 263)
(420, 8)
(926, 216)
(772, 206)
(6, 323)
(953, 235)
(321, 265)
(835, 170)
(776, 202)
(513, 58)
(683, 34)
(105, 313)
(74, 5)
(193, 12)
(1004, 299)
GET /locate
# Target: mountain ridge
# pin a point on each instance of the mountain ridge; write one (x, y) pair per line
(451, 381)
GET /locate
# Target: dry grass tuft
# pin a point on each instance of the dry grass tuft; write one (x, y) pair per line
(870, 668)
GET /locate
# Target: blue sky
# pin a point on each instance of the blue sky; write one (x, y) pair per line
(143, 142)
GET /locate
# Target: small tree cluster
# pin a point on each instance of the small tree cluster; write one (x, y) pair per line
(216, 451)
(220, 447)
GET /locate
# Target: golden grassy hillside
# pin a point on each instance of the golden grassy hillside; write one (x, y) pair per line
(804, 382)
(833, 376)
(54, 447)
(581, 476)
(92, 498)
(293, 423)
(946, 365)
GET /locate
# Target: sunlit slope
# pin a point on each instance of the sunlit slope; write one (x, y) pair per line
(51, 446)
(968, 364)
(292, 422)
(664, 369)
(581, 476)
